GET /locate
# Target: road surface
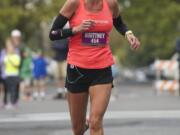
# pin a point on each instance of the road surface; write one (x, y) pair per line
(134, 110)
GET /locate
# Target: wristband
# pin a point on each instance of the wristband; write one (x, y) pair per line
(129, 32)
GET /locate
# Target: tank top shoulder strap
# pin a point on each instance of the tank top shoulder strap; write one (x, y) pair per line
(106, 5)
(80, 7)
(81, 2)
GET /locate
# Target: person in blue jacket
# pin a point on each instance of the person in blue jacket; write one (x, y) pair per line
(39, 74)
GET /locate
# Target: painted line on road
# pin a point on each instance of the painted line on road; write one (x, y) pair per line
(64, 116)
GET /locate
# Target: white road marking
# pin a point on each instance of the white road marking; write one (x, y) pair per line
(64, 116)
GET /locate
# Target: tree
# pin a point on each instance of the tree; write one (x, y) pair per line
(27, 16)
(156, 23)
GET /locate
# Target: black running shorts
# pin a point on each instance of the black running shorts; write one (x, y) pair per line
(79, 79)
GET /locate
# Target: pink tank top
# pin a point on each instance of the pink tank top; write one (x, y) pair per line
(90, 49)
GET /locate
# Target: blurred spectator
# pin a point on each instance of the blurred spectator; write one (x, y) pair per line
(2, 73)
(115, 71)
(39, 74)
(10, 60)
(60, 48)
(26, 74)
(16, 38)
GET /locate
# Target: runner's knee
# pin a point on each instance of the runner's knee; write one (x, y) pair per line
(95, 122)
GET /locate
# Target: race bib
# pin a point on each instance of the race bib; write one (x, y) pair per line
(94, 38)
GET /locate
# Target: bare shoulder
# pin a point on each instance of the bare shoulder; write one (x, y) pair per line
(69, 8)
(114, 7)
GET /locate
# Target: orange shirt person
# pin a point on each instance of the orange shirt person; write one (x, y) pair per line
(89, 58)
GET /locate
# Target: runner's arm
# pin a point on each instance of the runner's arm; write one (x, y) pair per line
(57, 32)
(121, 27)
(118, 22)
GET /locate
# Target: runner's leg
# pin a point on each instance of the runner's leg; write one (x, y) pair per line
(99, 99)
(78, 107)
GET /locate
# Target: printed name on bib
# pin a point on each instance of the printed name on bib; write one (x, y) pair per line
(94, 38)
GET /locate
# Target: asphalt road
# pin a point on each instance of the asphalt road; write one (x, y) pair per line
(136, 110)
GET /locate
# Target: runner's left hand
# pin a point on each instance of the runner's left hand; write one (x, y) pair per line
(133, 41)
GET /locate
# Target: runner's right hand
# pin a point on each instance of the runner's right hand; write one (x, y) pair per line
(85, 25)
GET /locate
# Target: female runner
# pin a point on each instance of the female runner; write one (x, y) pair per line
(89, 58)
